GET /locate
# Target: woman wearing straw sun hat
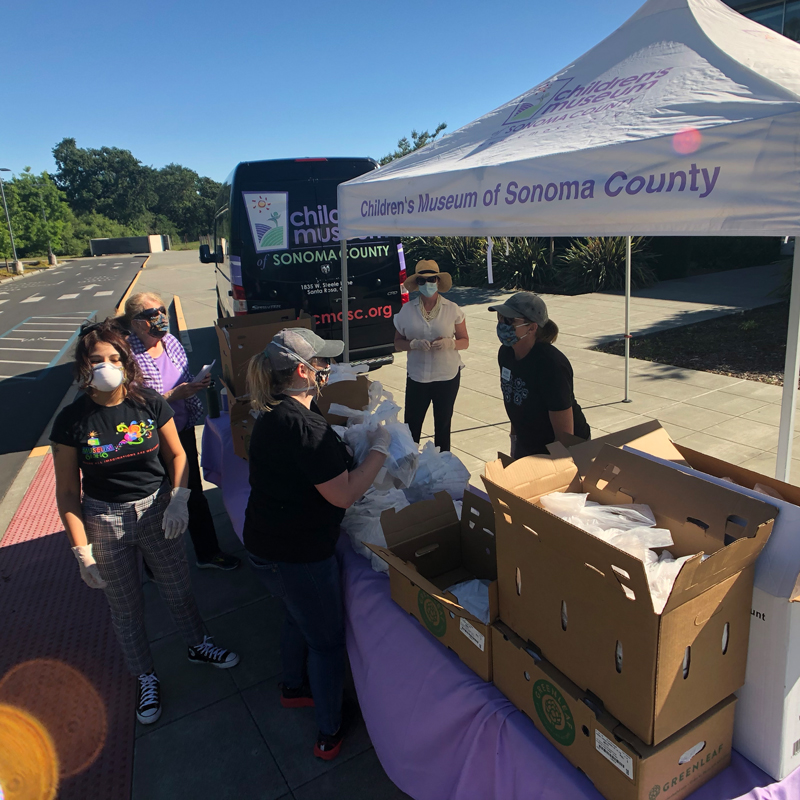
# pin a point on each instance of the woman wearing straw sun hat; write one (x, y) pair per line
(432, 329)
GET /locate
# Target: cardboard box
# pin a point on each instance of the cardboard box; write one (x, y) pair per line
(619, 765)
(428, 550)
(353, 394)
(240, 338)
(767, 728)
(587, 604)
(241, 420)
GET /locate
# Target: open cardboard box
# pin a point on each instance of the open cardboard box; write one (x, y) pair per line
(767, 728)
(428, 550)
(242, 421)
(240, 338)
(352, 394)
(619, 765)
(655, 673)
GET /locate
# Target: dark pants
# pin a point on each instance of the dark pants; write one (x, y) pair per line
(419, 397)
(201, 523)
(312, 639)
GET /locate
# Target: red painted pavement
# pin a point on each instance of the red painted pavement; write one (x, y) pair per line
(47, 612)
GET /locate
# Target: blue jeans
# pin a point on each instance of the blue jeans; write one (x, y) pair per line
(312, 639)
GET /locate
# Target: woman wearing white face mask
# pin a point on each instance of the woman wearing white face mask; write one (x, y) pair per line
(432, 329)
(165, 368)
(301, 481)
(109, 441)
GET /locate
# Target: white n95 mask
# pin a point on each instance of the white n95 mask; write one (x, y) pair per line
(106, 377)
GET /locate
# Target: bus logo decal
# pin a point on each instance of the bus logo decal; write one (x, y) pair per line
(266, 212)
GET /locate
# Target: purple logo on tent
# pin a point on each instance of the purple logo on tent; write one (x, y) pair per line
(535, 100)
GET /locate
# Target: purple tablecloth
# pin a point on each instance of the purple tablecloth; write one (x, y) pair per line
(439, 731)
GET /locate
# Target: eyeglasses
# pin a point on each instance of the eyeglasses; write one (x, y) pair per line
(420, 281)
(151, 313)
(512, 321)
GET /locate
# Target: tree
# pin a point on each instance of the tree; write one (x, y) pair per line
(107, 181)
(418, 140)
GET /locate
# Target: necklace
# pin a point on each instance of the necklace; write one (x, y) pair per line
(434, 312)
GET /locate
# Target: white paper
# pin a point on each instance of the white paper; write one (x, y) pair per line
(472, 633)
(205, 371)
(618, 757)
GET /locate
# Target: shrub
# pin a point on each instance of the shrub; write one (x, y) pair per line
(598, 263)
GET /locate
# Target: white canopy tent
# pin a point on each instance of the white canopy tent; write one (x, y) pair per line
(684, 121)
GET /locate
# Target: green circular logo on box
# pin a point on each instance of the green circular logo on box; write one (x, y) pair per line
(432, 613)
(554, 712)
(655, 792)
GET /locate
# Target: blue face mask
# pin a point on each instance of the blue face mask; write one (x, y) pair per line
(506, 334)
(429, 289)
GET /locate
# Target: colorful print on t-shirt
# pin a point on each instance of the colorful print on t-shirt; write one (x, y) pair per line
(134, 433)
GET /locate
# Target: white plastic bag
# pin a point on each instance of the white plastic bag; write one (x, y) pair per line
(473, 595)
(362, 522)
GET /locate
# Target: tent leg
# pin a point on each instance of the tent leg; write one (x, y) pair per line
(790, 376)
(627, 319)
(345, 306)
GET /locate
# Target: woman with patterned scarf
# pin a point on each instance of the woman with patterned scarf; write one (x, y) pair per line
(165, 367)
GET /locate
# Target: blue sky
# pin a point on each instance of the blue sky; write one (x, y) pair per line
(209, 84)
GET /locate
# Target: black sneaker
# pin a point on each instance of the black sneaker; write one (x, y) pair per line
(218, 561)
(148, 699)
(209, 653)
(296, 698)
(328, 747)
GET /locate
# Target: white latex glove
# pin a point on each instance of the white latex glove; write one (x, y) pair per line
(419, 344)
(513, 438)
(176, 516)
(379, 439)
(443, 344)
(89, 571)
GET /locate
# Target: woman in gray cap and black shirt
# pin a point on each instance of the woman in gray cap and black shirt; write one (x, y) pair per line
(301, 481)
(536, 378)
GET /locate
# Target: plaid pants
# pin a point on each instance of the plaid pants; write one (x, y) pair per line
(118, 532)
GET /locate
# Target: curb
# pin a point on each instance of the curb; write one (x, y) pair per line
(130, 287)
(183, 329)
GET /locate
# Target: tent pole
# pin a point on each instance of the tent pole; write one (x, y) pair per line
(790, 375)
(345, 307)
(627, 319)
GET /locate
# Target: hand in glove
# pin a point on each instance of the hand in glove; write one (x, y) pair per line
(443, 344)
(89, 571)
(379, 439)
(176, 516)
(419, 344)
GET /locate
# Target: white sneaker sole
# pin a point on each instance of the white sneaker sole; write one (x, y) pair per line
(151, 719)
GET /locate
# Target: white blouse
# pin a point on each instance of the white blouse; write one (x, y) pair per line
(425, 366)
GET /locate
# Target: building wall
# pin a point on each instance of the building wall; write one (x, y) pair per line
(782, 16)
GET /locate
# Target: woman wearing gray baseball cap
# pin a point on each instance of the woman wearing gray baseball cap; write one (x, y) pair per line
(535, 377)
(301, 481)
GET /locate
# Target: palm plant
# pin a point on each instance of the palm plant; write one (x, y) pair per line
(598, 263)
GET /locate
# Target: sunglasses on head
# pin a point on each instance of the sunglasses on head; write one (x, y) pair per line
(91, 327)
(151, 313)
(420, 281)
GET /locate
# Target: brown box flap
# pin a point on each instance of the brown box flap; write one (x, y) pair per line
(478, 543)
(351, 394)
(534, 476)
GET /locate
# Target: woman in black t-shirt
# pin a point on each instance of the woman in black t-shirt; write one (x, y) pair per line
(111, 437)
(535, 377)
(300, 485)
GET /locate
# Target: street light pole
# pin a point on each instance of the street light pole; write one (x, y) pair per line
(17, 265)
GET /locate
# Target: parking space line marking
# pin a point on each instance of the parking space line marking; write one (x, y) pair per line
(42, 363)
(28, 349)
(102, 294)
(33, 299)
(68, 296)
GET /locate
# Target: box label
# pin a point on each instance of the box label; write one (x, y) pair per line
(472, 633)
(432, 614)
(505, 374)
(618, 757)
(554, 712)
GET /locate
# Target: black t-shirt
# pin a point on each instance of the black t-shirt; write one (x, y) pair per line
(532, 387)
(117, 445)
(292, 449)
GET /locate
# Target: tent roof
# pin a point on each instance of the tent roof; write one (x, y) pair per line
(682, 121)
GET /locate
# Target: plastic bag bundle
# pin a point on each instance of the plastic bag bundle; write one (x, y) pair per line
(437, 472)
(401, 463)
(473, 595)
(362, 522)
(346, 372)
(629, 527)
